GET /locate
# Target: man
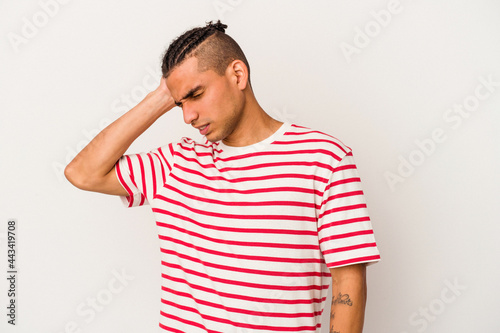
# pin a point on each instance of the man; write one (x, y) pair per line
(255, 222)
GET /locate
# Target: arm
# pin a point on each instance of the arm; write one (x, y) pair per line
(348, 299)
(93, 168)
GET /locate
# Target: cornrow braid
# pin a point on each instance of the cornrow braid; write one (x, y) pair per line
(185, 44)
(212, 47)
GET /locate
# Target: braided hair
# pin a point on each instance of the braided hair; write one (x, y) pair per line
(213, 48)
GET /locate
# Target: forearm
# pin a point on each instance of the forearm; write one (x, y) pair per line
(348, 301)
(98, 158)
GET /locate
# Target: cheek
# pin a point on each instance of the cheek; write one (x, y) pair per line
(215, 103)
(221, 102)
(209, 106)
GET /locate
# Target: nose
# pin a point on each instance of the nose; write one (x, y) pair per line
(189, 114)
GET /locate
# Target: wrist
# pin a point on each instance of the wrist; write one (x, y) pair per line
(159, 101)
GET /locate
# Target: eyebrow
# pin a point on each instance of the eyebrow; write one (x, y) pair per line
(189, 94)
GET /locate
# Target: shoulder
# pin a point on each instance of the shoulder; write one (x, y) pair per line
(189, 146)
(308, 138)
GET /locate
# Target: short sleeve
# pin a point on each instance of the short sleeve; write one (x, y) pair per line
(344, 228)
(142, 174)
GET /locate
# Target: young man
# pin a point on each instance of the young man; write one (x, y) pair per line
(255, 222)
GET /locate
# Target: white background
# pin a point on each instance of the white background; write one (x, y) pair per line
(382, 84)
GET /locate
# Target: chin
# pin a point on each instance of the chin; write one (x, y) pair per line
(212, 137)
(218, 134)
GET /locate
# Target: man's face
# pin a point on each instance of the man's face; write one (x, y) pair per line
(210, 102)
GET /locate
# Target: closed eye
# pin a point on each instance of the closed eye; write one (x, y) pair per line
(179, 104)
(191, 95)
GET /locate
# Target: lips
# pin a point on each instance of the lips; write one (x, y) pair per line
(204, 129)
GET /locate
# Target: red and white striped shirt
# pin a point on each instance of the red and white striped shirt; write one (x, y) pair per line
(248, 234)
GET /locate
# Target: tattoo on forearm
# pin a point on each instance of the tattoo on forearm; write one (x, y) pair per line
(332, 330)
(342, 299)
(332, 317)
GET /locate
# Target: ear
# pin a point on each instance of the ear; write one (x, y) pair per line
(239, 73)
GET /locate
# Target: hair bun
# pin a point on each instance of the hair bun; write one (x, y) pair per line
(217, 26)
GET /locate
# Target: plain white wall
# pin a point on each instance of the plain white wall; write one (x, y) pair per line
(412, 86)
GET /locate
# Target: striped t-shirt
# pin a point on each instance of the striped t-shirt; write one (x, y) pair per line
(247, 234)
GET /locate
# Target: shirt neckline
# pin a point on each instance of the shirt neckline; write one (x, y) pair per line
(259, 146)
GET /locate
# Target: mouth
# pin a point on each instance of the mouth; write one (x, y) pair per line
(204, 129)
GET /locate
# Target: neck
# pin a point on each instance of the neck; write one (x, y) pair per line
(254, 125)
